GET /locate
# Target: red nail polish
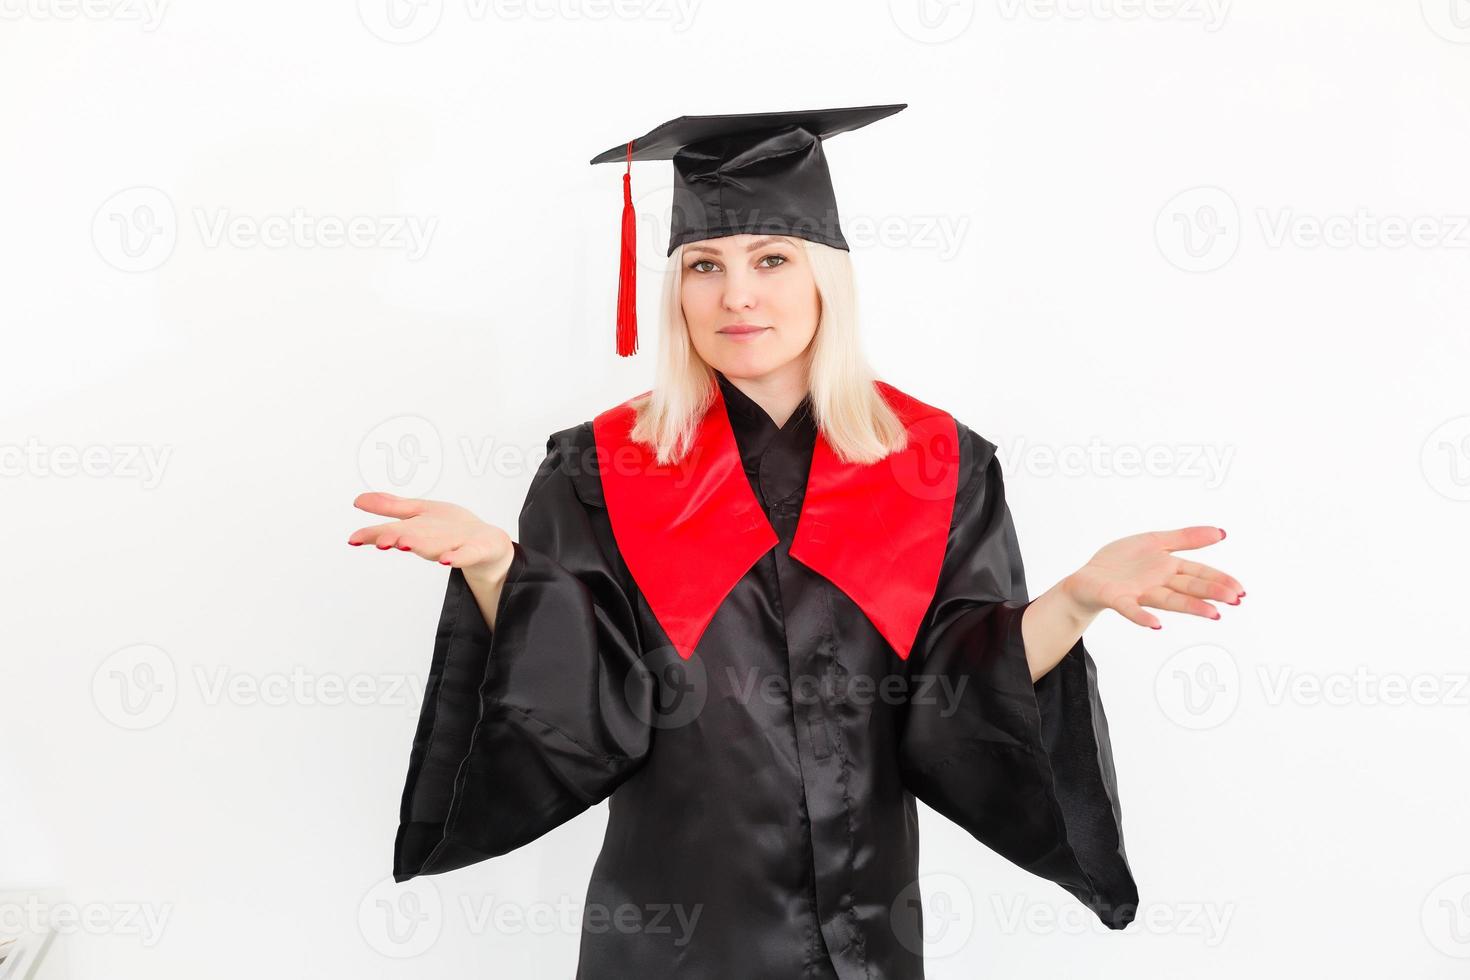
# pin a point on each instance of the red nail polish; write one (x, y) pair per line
(382, 547)
(1222, 533)
(354, 543)
(404, 547)
(1156, 627)
(443, 562)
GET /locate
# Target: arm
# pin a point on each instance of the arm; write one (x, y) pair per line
(526, 725)
(1051, 626)
(486, 582)
(1126, 575)
(1020, 760)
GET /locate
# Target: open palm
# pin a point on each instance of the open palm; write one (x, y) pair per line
(1141, 570)
(432, 529)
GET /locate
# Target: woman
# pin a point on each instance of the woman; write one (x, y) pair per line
(761, 609)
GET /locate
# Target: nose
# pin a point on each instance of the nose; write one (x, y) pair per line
(740, 291)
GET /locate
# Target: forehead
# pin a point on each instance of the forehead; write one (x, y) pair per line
(736, 244)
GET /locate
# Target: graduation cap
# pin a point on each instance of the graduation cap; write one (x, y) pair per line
(744, 173)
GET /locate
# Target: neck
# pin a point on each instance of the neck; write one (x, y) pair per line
(778, 392)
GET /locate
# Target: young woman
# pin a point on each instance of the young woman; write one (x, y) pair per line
(762, 609)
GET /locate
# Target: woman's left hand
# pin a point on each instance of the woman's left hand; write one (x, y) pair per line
(1140, 570)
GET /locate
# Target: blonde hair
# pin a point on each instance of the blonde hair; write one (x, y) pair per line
(850, 413)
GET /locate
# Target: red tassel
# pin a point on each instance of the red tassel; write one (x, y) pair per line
(627, 269)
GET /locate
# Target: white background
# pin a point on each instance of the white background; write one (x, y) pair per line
(1232, 235)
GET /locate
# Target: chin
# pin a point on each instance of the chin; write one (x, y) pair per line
(742, 364)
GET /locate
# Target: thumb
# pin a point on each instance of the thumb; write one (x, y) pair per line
(388, 504)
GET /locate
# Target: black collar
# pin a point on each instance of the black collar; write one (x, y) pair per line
(776, 458)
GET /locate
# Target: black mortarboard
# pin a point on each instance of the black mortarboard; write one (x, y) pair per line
(746, 173)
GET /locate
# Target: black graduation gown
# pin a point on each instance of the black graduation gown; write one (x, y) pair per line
(762, 819)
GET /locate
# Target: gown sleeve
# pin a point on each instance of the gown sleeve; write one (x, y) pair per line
(1026, 769)
(525, 726)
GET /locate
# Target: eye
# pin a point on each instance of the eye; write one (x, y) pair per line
(775, 255)
(695, 265)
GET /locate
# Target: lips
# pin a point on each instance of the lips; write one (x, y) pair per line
(742, 329)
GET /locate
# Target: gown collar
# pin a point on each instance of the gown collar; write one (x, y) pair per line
(776, 458)
(689, 532)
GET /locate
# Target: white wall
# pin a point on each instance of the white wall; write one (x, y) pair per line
(1104, 224)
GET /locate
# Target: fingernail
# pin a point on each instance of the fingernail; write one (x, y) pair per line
(443, 562)
(354, 543)
(404, 547)
(1222, 533)
(1156, 627)
(383, 547)
(1241, 596)
(1216, 616)
(1235, 601)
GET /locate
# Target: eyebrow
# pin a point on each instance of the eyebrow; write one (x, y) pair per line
(758, 243)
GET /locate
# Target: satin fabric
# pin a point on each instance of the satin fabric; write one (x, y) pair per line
(762, 817)
(878, 533)
(750, 172)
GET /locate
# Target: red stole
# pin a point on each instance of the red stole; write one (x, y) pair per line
(689, 532)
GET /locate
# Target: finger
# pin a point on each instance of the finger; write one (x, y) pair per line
(390, 504)
(458, 557)
(1135, 613)
(389, 538)
(1188, 538)
(467, 554)
(1200, 570)
(1161, 597)
(409, 540)
(426, 548)
(376, 534)
(1203, 588)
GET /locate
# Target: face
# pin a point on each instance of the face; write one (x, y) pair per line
(751, 304)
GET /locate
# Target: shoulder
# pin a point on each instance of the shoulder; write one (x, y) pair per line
(572, 439)
(978, 480)
(979, 468)
(911, 410)
(573, 452)
(623, 410)
(975, 452)
(972, 454)
(571, 456)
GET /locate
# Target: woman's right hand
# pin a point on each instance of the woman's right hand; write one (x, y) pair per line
(435, 530)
